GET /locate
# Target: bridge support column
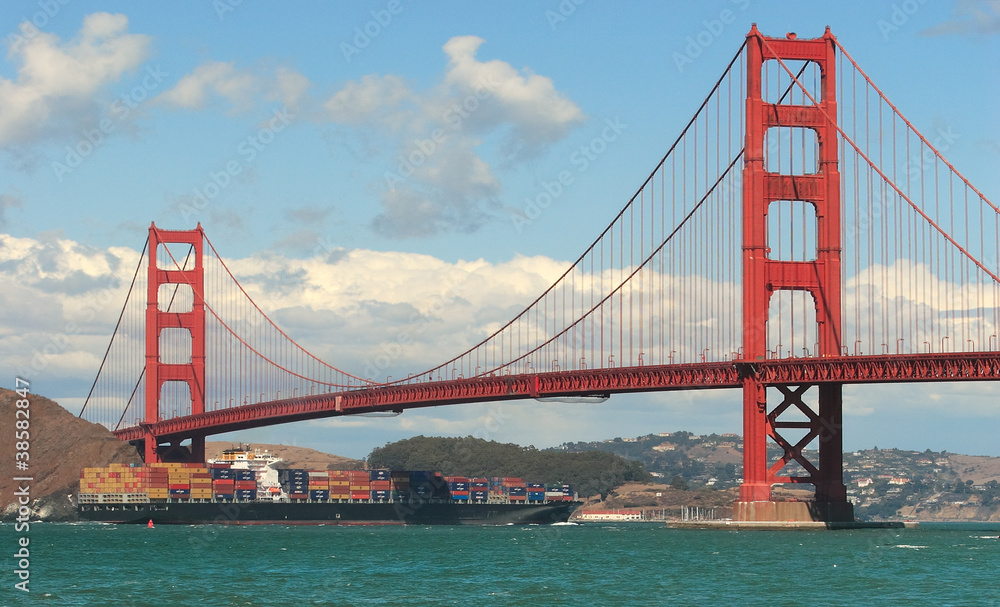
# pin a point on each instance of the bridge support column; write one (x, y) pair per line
(171, 314)
(755, 487)
(829, 481)
(821, 425)
(819, 187)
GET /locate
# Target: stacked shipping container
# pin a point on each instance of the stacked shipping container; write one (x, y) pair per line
(124, 483)
(133, 483)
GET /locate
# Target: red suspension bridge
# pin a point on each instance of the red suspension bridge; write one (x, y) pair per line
(798, 235)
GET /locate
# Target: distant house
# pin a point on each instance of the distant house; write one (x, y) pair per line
(864, 482)
(898, 480)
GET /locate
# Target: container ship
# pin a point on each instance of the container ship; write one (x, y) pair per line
(245, 487)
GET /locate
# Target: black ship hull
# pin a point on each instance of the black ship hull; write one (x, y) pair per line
(329, 513)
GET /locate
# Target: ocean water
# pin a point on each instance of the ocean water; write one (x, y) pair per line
(589, 564)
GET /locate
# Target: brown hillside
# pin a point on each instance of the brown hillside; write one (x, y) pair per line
(60, 445)
(978, 469)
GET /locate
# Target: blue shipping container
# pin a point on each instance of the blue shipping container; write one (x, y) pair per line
(319, 494)
(422, 491)
(245, 475)
(223, 473)
(378, 475)
(246, 494)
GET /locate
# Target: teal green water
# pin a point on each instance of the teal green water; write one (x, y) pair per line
(624, 564)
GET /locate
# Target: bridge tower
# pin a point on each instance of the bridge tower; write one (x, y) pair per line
(158, 318)
(820, 277)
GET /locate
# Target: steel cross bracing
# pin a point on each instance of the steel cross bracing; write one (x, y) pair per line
(799, 235)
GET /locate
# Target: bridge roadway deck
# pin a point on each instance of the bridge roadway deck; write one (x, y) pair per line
(905, 368)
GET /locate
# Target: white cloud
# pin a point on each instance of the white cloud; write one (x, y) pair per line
(437, 177)
(240, 88)
(372, 99)
(330, 304)
(529, 103)
(192, 91)
(980, 17)
(59, 85)
(60, 305)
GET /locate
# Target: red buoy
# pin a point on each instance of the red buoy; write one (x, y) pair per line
(150, 523)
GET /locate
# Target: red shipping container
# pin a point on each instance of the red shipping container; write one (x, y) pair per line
(246, 484)
(175, 487)
(360, 495)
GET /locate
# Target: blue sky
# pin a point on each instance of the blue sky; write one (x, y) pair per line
(282, 130)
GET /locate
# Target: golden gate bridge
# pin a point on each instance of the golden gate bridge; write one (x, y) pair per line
(799, 234)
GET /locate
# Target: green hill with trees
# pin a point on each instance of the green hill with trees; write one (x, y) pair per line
(590, 472)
